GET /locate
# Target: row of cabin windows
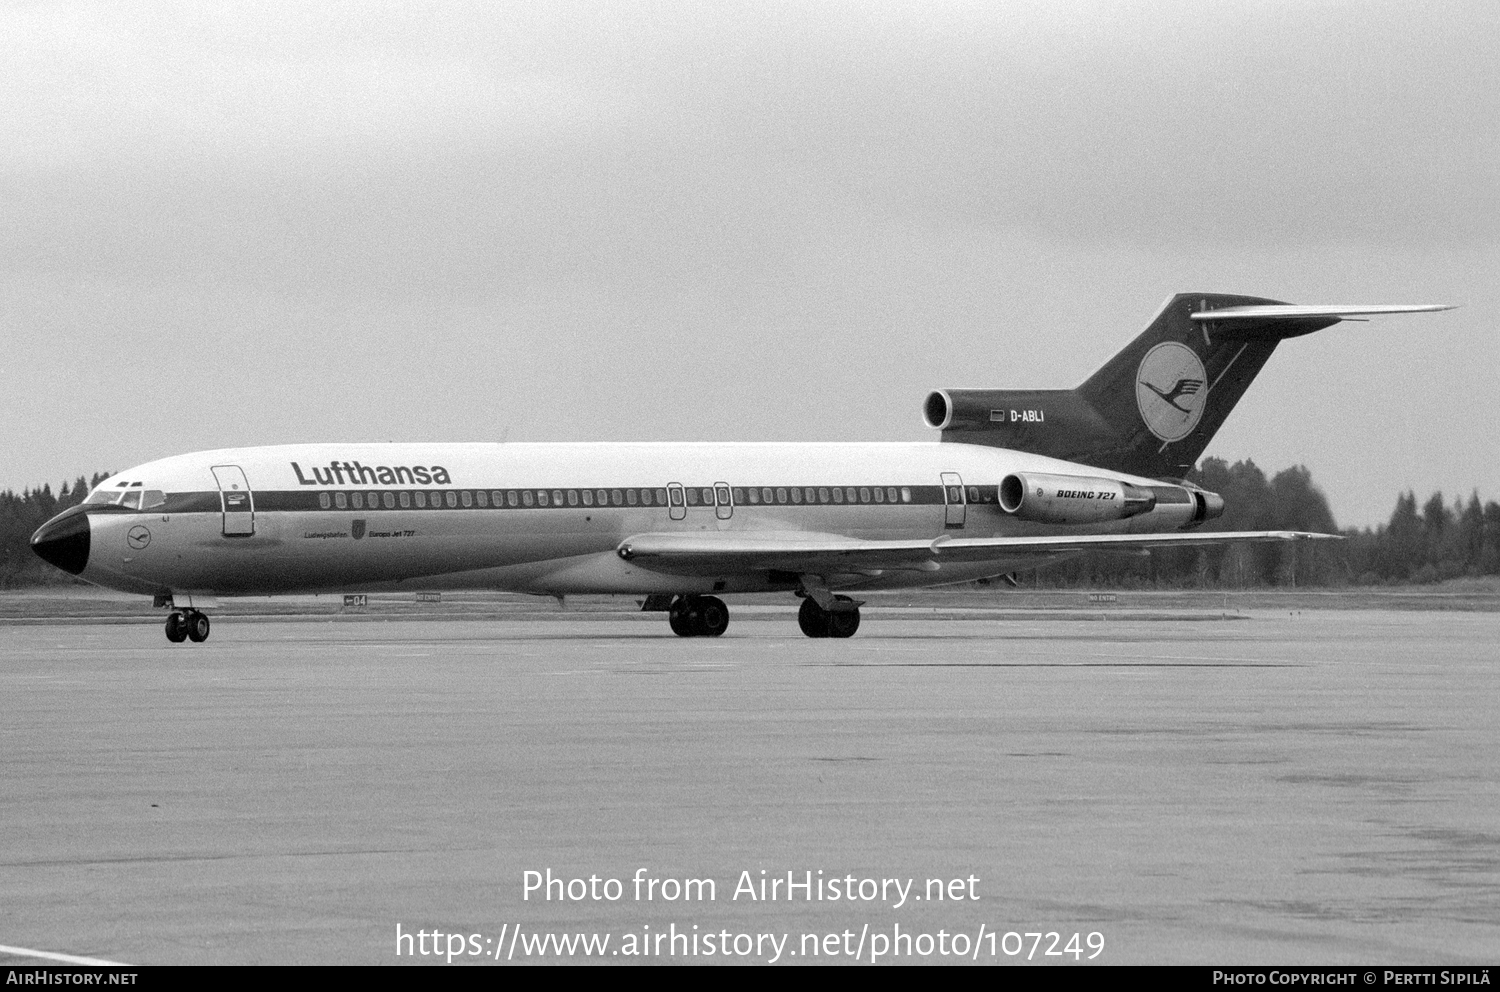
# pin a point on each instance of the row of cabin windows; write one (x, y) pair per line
(455, 499)
(823, 495)
(695, 496)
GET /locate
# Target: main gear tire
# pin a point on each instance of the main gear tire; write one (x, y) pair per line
(812, 618)
(713, 616)
(682, 618)
(844, 622)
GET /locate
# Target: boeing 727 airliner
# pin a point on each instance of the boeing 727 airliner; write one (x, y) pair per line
(1019, 478)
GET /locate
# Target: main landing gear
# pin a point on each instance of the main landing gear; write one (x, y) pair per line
(187, 625)
(698, 616)
(840, 621)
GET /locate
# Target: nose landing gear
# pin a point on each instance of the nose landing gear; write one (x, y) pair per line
(187, 625)
(698, 616)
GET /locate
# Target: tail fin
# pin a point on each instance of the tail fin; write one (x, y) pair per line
(1154, 407)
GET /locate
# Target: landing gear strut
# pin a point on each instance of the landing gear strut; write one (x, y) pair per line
(698, 616)
(841, 621)
(187, 625)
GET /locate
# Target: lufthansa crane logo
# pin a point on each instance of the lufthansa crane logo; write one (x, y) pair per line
(1171, 390)
(138, 537)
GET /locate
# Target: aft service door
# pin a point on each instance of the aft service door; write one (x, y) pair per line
(953, 499)
(237, 500)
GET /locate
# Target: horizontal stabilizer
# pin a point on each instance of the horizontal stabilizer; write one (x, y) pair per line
(1286, 311)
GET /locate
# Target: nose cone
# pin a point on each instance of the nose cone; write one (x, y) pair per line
(64, 541)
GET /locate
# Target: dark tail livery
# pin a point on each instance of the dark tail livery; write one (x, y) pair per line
(1153, 408)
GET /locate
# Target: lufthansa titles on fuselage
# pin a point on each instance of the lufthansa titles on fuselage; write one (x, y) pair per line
(355, 474)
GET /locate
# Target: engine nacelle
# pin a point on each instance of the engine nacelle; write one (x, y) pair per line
(1071, 499)
(1209, 505)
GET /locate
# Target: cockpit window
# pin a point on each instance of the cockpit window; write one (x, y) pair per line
(134, 498)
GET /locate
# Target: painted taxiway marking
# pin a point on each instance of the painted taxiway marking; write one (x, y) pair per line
(24, 952)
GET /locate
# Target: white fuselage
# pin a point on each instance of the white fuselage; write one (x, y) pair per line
(299, 518)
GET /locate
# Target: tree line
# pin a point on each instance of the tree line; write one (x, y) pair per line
(1438, 541)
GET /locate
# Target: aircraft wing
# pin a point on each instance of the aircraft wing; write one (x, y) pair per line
(818, 554)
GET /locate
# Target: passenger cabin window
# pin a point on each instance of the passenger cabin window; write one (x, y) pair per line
(340, 500)
(359, 500)
(405, 498)
(324, 500)
(468, 498)
(451, 498)
(389, 500)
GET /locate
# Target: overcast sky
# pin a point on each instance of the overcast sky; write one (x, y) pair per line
(229, 225)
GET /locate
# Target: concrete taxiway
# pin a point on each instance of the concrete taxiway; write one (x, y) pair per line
(1269, 788)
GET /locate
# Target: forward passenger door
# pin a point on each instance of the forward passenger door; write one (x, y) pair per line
(236, 500)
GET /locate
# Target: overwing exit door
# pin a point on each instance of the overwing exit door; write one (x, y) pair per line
(237, 500)
(953, 499)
